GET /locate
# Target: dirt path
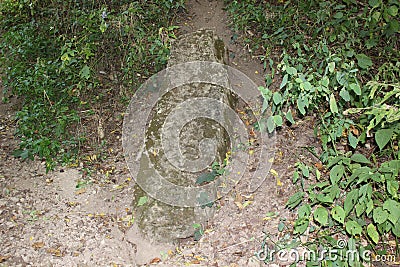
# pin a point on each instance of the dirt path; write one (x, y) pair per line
(71, 217)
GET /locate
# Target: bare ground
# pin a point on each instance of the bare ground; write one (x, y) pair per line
(80, 216)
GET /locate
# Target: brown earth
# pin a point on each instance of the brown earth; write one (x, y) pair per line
(82, 215)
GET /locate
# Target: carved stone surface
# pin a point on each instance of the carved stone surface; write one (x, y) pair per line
(161, 222)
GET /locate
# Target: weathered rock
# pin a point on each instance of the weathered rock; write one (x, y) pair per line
(161, 222)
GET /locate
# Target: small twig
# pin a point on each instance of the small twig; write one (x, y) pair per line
(45, 94)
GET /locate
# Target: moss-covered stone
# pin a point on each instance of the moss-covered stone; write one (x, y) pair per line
(158, 221)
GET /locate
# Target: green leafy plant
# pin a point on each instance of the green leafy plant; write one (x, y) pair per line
(59, 64)
(339, 61)
(198, 231)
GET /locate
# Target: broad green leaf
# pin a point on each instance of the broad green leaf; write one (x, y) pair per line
(338, 15)
(196, 226)
(392, 11)
(265, 92)
(23, 154)
(321, 215)
(392, 166)
(360, 158)
(325, 81)
(336, 173)
(277, 98)
(270, 124)
(308, 86)
(364, 192)
(284, 81)
(301, 104)
(338, 214)
(345, 94)
(356, 88)
(332, 104)
(380, 215)
(85, 72)
(333, 191)
(206, 177)
(281, 226)
(278, 120)
(291, 71)
(331, 67)
(304, 211)
(350, 201)
(371, 230)
(392, 187)
(300, 226)
(370, 206)
(295, 176)
(289, 116)
(324, 198)
(383, 136)
(393, 207)
(360, 208)
(396, 229)
(317, 174)
(376, 15)
(384, 227)
(298, 80)
(363, 61)
(142, 201)
(295, 200)
(374, 3)
(394, 27)
(264, 106)
(341, 78)
(353, 228)
(353, 141)
(305, 171)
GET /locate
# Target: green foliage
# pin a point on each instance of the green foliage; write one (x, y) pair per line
(198, 231)
(363, 199)
(339, 60)
(206, 177)
(142, 200)
(54, 55)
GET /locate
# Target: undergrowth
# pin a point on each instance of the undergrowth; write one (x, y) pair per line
(63, 57)
(340, 62)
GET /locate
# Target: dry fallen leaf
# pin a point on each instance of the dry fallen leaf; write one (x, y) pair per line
(252, 132)
(319, 166)
(54, 251)
(80, 191)
(3, 258)
(273, 172)
(155, 260)
(239, 205)
(354, 130)
(37, 245)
